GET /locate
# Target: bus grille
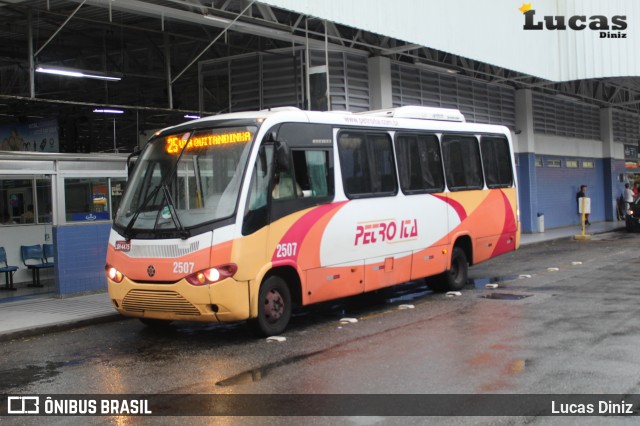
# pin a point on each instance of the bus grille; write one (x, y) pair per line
(168, 251)
(158, 301)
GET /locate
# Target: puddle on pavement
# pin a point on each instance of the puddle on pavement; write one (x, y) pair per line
(505, 296)
(23, 376)
(481, 282)
(414, 295)
(243, 378)
(257, 374)
(363, 304)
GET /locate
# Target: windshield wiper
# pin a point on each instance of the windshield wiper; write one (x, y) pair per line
(127, 231)
(184, 234)
(182, 231)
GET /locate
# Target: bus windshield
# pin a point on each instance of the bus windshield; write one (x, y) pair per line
(185, 180)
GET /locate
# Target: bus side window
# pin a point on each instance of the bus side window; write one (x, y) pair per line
(255, 216)
(462, 164)
(368, 166)
(419, 163)
(308, 183)
(312, 173)
(285, 187)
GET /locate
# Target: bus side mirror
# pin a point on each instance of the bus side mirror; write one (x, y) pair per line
(131, 161)
(282, 156)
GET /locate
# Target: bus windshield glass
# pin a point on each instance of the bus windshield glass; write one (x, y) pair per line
(185, 180)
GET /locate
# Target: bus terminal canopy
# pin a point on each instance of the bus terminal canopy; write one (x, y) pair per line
(557, 40)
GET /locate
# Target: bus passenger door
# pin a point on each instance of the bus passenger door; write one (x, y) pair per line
(252, 247)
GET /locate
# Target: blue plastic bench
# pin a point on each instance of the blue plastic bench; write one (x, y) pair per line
(8, 271)
(48, 254)
(34, 259)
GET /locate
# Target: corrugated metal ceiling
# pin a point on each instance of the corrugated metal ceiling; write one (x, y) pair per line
(133, 37)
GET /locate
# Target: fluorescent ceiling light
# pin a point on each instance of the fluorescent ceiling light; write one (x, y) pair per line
(566, 97)
(240, 25)
(217, 19)
(76, 73)
(441, 68)
(108, 111)
(191, 116)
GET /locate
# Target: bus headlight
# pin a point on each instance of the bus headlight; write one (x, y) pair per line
(113, 274)
(212, 275)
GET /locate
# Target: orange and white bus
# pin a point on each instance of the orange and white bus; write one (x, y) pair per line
(243, 216)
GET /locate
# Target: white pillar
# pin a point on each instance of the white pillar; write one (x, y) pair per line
(606, 132)
(524, 121)
(380, 83)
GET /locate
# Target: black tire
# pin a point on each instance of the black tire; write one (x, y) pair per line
(455, 279)
(274, 307)
(155, 323)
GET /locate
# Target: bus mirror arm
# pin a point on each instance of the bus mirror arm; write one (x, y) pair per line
(282, 156)
(262, 155)
(131, 160)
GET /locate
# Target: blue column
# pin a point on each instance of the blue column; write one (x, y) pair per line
(609, 187)
(528, 192)
(525, 140)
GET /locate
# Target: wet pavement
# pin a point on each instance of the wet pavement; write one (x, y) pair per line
(39, 313)
(562, 319)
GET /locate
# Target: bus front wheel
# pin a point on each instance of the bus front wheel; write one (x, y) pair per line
(274, 306)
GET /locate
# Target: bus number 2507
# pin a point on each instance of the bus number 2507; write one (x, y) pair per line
(286, 250)
(183, 267)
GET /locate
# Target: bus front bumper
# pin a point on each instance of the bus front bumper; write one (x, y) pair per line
(224, 301)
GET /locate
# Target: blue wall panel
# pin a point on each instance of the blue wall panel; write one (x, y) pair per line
(527, 192)
(81, 251)
(557, 188)
(616, 170)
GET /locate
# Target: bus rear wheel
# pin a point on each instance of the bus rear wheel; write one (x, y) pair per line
(274, 306)
(456, 277)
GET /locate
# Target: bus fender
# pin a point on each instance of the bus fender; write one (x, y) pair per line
(254, 285)
(464, 241)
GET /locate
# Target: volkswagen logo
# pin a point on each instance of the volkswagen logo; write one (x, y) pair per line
(151, 271)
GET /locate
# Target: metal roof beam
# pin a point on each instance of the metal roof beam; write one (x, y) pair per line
(59, 28)
(213, 42)
(267, 13)
(154, 10)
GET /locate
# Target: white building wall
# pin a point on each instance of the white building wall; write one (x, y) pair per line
(492, 32)
(573, 147)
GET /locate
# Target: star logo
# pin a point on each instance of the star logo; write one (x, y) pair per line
(151, 271)
(525, 7)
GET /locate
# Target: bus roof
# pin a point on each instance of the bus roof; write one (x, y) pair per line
(418, 112)
(411, 116)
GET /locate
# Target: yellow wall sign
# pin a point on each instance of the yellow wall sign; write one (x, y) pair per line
(174, 144)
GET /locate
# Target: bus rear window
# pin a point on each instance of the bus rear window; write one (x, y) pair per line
(496, 161)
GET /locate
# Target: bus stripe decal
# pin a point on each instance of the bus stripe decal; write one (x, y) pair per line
(459, 208)
(502, 245)
(301, 228)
